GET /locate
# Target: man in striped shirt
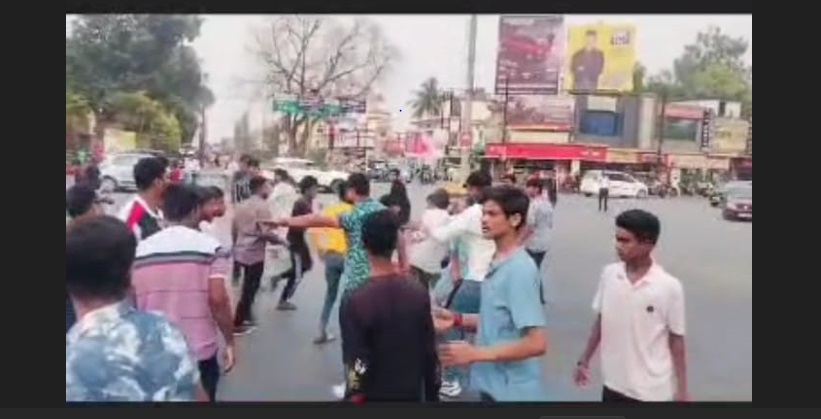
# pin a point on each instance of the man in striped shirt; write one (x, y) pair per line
(180, 272)
(142, 214)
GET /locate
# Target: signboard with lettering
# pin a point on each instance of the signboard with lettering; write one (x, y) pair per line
(707, 128)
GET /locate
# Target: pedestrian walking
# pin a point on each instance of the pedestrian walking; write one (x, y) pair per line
(537, 231)
(510, 325)
(640, 321)
(387, 332)
(181, 273)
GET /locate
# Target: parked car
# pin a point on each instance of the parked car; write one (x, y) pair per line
(738, 203)
(718, 198)
(621, 185)
(117, 171)
(329, 180)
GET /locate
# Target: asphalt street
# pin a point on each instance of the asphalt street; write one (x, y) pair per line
(712, 258)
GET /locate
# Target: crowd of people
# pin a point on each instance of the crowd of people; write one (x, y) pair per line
(427, 308)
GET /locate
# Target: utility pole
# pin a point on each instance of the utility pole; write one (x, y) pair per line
(467, 113)
(660, 134)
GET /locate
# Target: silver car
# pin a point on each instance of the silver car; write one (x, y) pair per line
(117, 171)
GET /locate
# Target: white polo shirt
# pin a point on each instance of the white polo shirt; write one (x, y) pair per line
(636, 321)
(467, 227)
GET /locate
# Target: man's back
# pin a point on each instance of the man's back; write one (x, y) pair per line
(389, 342)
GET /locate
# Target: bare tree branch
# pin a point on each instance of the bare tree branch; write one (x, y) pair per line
(301, 54)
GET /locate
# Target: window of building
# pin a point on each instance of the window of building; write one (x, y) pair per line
(681, 129)
(600, 123)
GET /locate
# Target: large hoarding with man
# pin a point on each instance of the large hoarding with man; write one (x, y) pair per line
(531, 49)
(601, 58)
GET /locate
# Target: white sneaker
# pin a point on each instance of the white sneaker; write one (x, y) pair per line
(451, 389)
(339, 391)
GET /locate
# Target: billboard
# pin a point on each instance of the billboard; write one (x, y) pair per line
(545, 113)
(530, 54)
(602, 58)
(730, 135)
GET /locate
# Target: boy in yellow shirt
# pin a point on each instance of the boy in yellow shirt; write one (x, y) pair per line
(332, 247)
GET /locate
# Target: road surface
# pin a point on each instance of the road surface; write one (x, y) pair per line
(712, 258)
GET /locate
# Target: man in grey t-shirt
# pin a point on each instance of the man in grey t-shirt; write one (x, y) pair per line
(536, 236)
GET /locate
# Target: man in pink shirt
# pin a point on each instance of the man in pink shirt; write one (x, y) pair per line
(180, 272)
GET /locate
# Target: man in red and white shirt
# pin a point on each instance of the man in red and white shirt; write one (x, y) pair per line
(640, 323)
(180, 272)
(142, 214)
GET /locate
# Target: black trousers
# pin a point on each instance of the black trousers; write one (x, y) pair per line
(301, 262)
(538, 257)
(252, 274)
(612, 396)
(604, 195)
(210, 375)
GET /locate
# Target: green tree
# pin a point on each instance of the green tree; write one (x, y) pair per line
(107, 54)
(77, 113)
(428, 99)
(712, 67)
(639, 76)
(156, 127)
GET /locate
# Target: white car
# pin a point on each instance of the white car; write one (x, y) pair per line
(621, 185)
(329, 180)
(117, 171)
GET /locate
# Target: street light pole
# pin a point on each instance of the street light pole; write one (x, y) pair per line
(660, 133)
(467, 113)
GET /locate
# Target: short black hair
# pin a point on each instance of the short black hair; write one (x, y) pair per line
(642, 224)
(99, 255)
(478, 179)
(215, 192)
(252, 162)
(535, 183)
(180, 201)
(149, 169)
(256, 182)
(439, 198)
(510, 199)
(360, 184)
(207, 193)
(245, 158)
(342, 190)
(307, 182)
(79, 199)
(380, 232)
(282, 173)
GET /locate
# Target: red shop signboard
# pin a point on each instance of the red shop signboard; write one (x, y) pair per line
(547, 152)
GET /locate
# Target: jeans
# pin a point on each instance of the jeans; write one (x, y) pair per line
(334, 264)
(301, 262)
(250, 285)
(465, 301)
(210, 375)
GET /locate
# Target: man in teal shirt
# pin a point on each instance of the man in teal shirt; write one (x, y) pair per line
(510, 326)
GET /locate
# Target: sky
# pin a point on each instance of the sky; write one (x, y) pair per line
(429, 46)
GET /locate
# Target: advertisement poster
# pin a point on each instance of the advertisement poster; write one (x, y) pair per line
(545, 113)
(601, 58)
(530, 54)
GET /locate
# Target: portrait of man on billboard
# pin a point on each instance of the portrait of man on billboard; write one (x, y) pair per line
(587, 64)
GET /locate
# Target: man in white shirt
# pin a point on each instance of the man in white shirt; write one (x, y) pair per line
(466, 229)
(604, 192)
(281, 201)
(426, 254)
(640, 321)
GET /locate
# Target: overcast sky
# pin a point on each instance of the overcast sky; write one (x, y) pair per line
(430, 46)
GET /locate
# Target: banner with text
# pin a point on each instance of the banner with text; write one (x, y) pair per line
(602, 58)
(530, 54)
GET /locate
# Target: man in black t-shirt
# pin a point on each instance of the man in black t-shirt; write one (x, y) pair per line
(587, 64)
(301, 260)
(388, 339)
